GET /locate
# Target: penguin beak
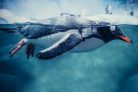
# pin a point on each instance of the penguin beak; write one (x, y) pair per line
(126, 39)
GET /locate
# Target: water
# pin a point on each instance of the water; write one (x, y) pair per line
(111, 68)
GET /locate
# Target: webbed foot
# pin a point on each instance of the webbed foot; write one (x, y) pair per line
(17, 47)
(30, 48)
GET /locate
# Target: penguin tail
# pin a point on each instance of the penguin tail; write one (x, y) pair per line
(9, 28)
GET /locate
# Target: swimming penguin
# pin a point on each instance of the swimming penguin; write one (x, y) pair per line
(62, 34)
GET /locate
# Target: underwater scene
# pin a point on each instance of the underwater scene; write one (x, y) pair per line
(73, 63)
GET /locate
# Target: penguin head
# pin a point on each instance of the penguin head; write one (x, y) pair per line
(117, 34)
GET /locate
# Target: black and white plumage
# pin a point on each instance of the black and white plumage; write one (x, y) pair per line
(63, 34)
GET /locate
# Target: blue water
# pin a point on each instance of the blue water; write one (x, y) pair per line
(111, 68)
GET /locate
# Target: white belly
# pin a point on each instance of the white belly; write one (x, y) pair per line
(87, 45)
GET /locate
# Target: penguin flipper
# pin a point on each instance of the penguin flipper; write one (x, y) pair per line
(63, 45)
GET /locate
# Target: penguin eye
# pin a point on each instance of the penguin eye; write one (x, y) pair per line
(114, 32)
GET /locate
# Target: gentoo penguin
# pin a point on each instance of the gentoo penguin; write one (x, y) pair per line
(64, 34)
